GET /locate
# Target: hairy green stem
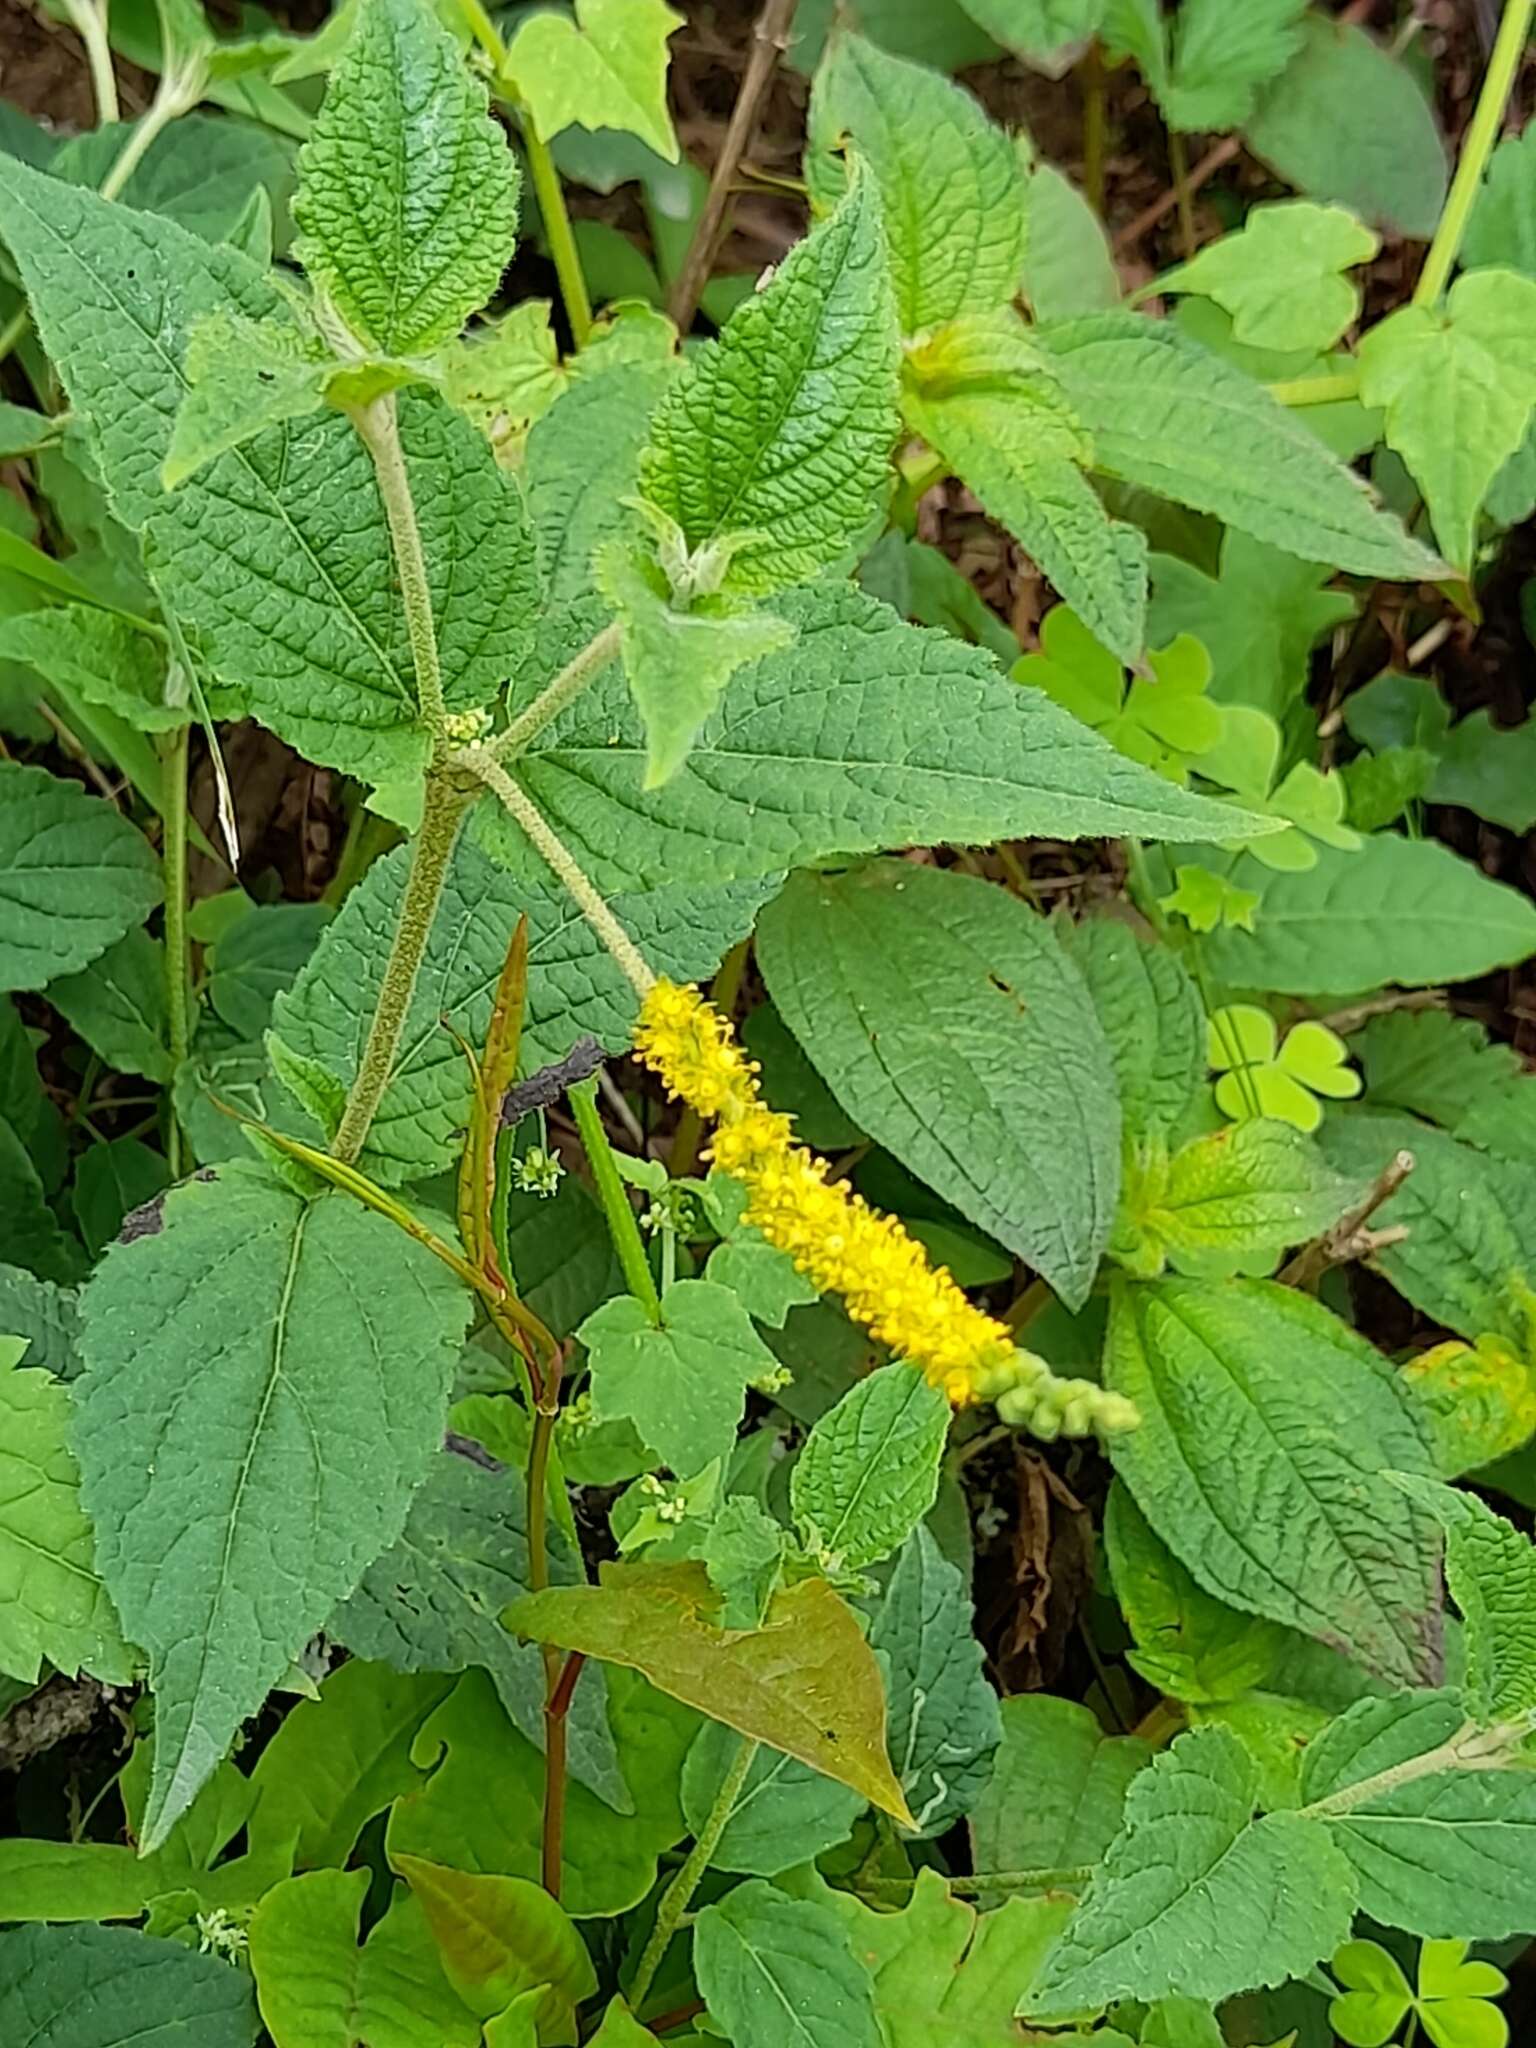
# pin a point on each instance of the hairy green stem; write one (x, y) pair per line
(679, 1894)
(1471, 1748)
(1325, 390)
(90, 24)
(580, 670)
(562, 239)
(178, 959)
(1476, 148)
(614, 1196)
(431, 851)
(378, 426)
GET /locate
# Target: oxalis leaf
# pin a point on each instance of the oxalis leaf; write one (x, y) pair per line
(266, 1381)
(407, 195)
(74, 877)
(607, 69)
(1195, 1896)
(806, 1682)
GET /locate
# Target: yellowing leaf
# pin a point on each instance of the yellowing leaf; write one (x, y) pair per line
(607, 69)
(501, 1937)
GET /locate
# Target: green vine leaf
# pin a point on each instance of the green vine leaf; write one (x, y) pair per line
(1281, 277)
(607, 69)
(779, 1973)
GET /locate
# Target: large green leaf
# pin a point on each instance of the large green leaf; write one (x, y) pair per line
(1151, 1015)
(869, 1470)
(1195, 1896)
(574, 987)
(503, 1937)
(407, 190)
(785, 1812)
(107, 1987)
(74, 877)
(780, 1973)
(1057, 1790)
(1491, 1569)
(580, 465)
(1165, 413)
(120, 1006)
(1404, 910)
(805, 1682)
(783, 428)
(951, 186)
(1266, 1425)
(1002, 1096)
(266, 1380)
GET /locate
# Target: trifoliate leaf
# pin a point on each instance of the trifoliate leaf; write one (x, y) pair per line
(607, 69)
(1376, 1998)
(779, 1973)
(1161, 719)
(1261, 1077)
(1490, 1567)
(407, 195)
(1281, 277)
(869, 1470)
(1207, 902)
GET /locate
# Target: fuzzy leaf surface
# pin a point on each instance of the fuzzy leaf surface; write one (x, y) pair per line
(98, 656)
(1490, 1567)
(869, 1470)
(1057, 1791)
(74, 877)
(1151, 1015)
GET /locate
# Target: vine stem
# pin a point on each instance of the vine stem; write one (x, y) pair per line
(1095, 125)
(1477, 146)
(90, 24)
(580, 670)
(679, 1894)
(614, 1196)
(178, 966)
(378, 427)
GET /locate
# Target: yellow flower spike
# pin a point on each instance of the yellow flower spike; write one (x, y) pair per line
(845, 1247)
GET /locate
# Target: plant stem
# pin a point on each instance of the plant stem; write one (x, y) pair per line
(1470, 1749)
(1327, 390)
(13, 330)
(1095, 127)
(178, 965)
(431, 851)
(679, 1894)
(1476, 147)
(557, 1710)
(1005, 1881)
(1178, 163)
(90, 24)
(378, 427)
(368, 837)
(557, 226)
(580, 670)
(614, 1196)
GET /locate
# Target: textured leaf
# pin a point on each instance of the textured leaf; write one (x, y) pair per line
(779, 1973)
(574, 987)
(1151, 1015)
(34, 1238)
(682, 1382)
(581, 462)
(1222, 56)
(501, 1937)
(869, 1470)
(107, 1987)
(805, 1682)
(1478, 1402)
(1457, 388)
(1490, 1567)
(258, 958)
(244, 375)
(783, 428)
(951, 188)
(1165, 413)
(607, 69)
(74, 876)
(864, 734)
(319, 1989)
(98, 656)
(1057, 1790)
(943, 1725)
(434, 1601)
(407, 190)
(119, 1006)
(1002, 1098)
(1266, 1426)
(1281, 277)
(784, 1814)
(1471, 1222)
(46, 1315)
(1253, 1187)
(1195, 1896)
(265, 1385)
(1403, 910)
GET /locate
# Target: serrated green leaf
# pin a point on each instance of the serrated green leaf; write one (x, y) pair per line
(1151, 1016)
(258, 958)
(1281, 277)
(500, 1938)
(806, 1682)
(779, 1973)
(869, 1471)
(1457, 387)
(319, 1988)
(1222, 56)
(109, 1987)
(783, 428)
(98, 656)
(1057, 1790)
(943, 1727)
(243, 376)
(1478, 1401)
(951, 188)
(434, 1601)
(234, 1507)
(1253, 1187)
(607, 69)
(1266, 1426)
(507, 374)
(407, 196)
(46, 1315)
(763, 1279)
(1196, 1897)
(1002, 1097)
(118, 1006)
(1165, 413)
(784, 1814)
(1490, 1567)
(74, 877)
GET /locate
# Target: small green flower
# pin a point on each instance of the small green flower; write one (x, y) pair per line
(538, 1172)
(1261, 1077)
(1452, 2001)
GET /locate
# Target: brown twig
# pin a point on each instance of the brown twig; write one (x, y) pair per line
(1351, 1237)
(556, 1715)
(1353, 1015)
(1213, 160)
(769, 40)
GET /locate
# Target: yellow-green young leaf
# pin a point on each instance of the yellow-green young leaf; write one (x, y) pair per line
(407, 189)
(780, 1973)
(869, 1471)
(1058, 1786)
(1197, 1898)
(806, 1682)
(1490, 1567)
(100, 657)
(318, 1988)
(945, 1974)
(508, 374)
(110, 1987)
(1255, 1187)
(1457, 386)
(951, 188)
(607, 69)
(74, 877)
(52, 1604)
(1478, 1401)
(251, 1424)
(1160, 718)
(1002, 1096)
(1163, 412)
(1281, 277)
(783, 428)
(1266, 1428)
(500, 1937)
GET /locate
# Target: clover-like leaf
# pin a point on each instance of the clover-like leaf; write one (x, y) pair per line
(605, 69)
(1260, 1076)
(1376, 1998)
(1281, 277)
(1163, 720)
(1205, 901)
